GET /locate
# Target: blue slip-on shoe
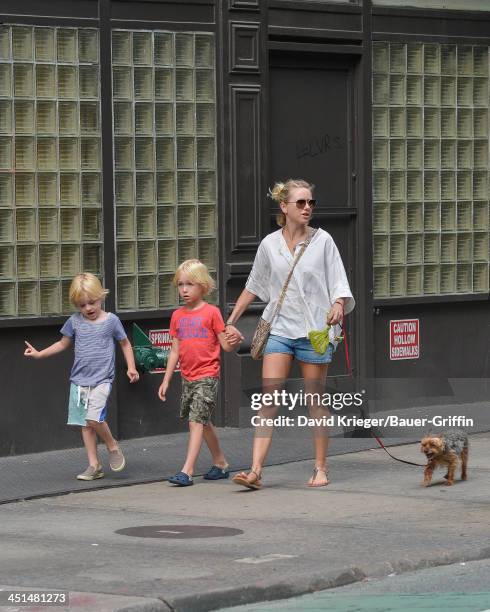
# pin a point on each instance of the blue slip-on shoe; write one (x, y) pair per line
(181, 479)
(216, 473)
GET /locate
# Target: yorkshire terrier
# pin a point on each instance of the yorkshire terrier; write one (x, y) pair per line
(445, 449)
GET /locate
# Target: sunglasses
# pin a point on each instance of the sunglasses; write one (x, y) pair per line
(302, 203)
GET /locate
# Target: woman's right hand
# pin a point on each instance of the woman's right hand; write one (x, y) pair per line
(233, 335)
(336, 314)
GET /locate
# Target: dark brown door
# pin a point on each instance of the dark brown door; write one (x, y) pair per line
(312, 127)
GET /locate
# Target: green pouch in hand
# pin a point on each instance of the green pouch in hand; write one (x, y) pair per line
(319, 339)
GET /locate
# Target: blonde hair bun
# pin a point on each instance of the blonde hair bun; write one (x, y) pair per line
(280, 193)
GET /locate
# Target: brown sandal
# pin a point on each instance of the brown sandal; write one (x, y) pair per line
(242, 478)
(313, 478)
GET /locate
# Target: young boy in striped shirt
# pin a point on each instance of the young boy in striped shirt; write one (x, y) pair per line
(93, 331)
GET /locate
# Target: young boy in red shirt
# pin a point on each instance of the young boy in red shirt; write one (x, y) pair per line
(198, 330)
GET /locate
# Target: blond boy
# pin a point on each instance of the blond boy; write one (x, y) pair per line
(93, 331)
(198, 332)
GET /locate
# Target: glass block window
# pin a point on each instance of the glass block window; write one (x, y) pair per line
(465, 5)
(164, 161)
(430, 169)
(50, 166)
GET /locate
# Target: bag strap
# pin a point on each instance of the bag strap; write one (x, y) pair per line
(309, 238)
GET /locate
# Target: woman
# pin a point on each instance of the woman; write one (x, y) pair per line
(318, 293)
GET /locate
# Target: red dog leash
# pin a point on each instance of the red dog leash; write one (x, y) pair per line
(349, 371)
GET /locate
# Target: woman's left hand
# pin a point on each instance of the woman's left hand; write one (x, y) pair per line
(336, 314)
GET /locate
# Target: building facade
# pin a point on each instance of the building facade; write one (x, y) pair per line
(137, 134)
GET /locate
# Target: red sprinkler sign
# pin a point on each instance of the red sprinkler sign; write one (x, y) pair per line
(163, 339)
(404, 339)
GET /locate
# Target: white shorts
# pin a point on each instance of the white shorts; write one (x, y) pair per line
(88, 403)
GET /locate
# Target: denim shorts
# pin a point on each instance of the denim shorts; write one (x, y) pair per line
(300, 348)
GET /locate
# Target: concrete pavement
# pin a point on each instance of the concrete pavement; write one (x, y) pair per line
(154, 458)
(374, 519)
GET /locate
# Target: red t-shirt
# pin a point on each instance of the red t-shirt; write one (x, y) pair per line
(199, 347)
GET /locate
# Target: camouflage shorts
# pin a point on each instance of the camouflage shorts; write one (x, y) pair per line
(198, 399)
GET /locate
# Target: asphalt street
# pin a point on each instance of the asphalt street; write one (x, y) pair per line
(150, 546)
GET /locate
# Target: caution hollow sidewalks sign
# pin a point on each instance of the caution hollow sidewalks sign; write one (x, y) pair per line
(404, 339)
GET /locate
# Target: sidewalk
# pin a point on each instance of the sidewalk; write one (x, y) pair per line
(155, 458)
(150, 459)
(374, 519)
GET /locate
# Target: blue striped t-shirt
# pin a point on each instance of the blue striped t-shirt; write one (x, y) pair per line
(94, 348)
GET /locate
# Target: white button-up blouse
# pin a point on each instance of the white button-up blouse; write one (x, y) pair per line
(318, 280)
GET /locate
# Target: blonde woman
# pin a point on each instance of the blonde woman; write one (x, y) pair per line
(318, 293)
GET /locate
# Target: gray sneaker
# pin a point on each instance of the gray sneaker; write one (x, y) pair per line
(91, 473)
(116, 460)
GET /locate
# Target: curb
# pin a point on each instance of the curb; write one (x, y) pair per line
(402, 566)
(260, 591)
(303, 585)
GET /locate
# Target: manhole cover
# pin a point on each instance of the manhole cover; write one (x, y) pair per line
(179, 532)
